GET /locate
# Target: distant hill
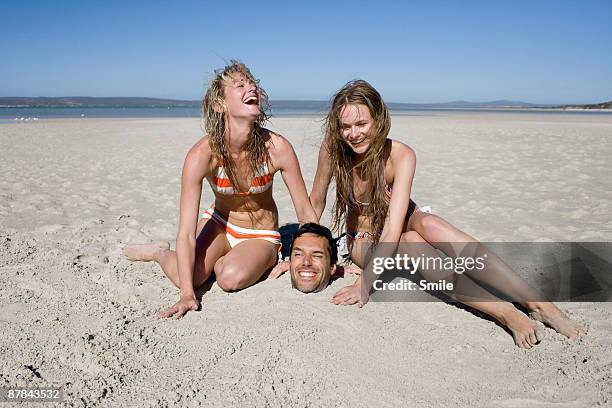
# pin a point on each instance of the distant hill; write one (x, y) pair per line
(280, 104)
(93, 102)
(604, 105)
(463, 105)
(324, 105)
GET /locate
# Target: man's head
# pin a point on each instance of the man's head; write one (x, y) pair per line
(313, 258)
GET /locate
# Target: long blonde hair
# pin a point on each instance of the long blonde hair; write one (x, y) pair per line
(342, 157)
(215, 121)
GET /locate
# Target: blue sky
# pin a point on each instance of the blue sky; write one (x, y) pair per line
(541, 52)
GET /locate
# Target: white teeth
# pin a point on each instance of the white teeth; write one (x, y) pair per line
(305, 274)
(250, 99)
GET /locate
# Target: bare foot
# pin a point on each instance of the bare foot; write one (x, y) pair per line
(550, 315)
(144, 252)
(524, 331)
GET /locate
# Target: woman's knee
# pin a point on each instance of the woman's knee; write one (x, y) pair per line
(430, 224)
(231, 277)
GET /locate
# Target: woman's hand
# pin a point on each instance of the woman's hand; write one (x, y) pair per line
(345, 270)
(349, 295)
(180, 308)
(279, 269)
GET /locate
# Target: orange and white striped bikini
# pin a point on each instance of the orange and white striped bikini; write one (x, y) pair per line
(223, 185)
(260, 183)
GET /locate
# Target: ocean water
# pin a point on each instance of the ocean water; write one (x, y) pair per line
(12, 114)
(15, 115)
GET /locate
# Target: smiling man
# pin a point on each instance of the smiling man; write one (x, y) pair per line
(313, 258)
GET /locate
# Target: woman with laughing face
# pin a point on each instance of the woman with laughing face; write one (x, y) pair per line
(238, 157)
(373, 176)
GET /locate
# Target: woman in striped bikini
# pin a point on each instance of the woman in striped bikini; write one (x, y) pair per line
(238, 157)
(373, 177)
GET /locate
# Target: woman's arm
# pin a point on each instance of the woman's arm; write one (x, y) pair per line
(403, 160)
(318, 194)
(285, 159)
(194, 171)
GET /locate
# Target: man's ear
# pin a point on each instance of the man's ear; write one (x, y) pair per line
(333, 270)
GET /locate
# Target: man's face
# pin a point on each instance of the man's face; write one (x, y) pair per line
(310, 263)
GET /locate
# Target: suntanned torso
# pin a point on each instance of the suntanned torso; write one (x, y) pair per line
(255, 211)
(355, 219)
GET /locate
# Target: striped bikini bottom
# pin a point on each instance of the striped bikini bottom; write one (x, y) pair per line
(236, 234)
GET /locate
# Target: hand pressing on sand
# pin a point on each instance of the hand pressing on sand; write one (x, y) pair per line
(279, 269)
(180, 308)
(349, 295)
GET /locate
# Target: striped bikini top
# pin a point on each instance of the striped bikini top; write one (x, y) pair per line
(262, 181)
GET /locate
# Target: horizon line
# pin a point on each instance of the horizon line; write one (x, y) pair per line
(499, 100)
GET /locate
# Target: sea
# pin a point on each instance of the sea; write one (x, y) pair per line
(21, 114)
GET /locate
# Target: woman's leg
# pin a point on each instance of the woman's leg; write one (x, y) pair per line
(454, 242)
(245, 264)
(211, 245)
(523, 330)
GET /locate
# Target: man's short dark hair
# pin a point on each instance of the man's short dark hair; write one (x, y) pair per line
(320, 230)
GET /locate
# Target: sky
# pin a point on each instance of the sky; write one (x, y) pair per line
(421, 52)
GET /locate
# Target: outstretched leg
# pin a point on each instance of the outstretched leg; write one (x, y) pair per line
(500, 276)
(468, 292)
(211, 245)
(145, 252)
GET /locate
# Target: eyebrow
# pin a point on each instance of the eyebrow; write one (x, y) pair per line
(314, 252)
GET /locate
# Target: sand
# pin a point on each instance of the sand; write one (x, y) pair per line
(75, 314)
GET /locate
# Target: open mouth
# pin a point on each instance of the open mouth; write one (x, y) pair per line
(251, 100)
(307, 274)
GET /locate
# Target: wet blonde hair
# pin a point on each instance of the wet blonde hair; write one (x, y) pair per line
(214, 118)
(342, 157)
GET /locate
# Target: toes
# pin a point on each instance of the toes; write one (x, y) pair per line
(540, 334)
(522, 340)
(526, 344)
(533, 337)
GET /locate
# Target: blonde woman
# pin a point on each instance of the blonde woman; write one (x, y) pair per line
(373, 176)
(238, 157)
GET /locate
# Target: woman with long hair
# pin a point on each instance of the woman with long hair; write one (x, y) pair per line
(373, 176)
(239, 158)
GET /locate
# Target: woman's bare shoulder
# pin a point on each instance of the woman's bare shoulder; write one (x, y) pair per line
(277, 144)
(401, 151)
(200, 155)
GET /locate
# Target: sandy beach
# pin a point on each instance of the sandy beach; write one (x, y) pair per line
(76, 314)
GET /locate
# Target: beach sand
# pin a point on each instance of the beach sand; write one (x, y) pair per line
(77, 315)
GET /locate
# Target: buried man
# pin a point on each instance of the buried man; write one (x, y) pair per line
(313, 258)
